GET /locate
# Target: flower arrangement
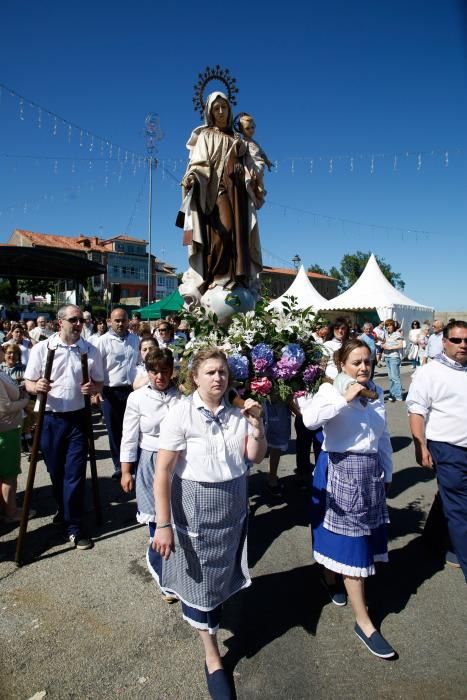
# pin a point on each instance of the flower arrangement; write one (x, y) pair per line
(272, 354)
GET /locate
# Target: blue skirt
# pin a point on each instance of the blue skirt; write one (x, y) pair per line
(351, 556)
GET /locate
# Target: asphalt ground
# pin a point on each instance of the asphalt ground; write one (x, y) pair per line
(91, 624)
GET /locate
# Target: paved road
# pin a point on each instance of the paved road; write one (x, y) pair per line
(92, 625)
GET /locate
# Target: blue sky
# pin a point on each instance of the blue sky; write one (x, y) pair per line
(326, 82)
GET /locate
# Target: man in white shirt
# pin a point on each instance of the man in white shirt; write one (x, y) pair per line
(437, 405)
(435, 341)
(40, 332)
(87, 331)
(64, 441)
(120, 353)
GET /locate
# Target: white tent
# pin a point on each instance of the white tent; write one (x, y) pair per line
(304, 293)
(373, 291)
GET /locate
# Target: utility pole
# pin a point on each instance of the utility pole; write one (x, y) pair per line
(152, 134)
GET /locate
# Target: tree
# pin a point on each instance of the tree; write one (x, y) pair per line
(352, 266)
(36, 287)
(316, 268)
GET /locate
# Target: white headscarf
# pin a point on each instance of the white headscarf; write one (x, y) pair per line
(208, 121)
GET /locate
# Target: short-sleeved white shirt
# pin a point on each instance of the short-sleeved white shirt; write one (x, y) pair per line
(209, 451)
(439, 394)
(120, 356)
(67, 375)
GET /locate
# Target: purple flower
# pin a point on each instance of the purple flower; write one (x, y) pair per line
(238, 365)
(311, 373)
(260, 365)
(262, 352)
(285, 368)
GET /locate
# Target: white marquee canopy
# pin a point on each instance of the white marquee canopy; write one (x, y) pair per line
(304, 293)
(372, 291)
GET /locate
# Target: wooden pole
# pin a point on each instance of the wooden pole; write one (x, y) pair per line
(33, 460)
(91, 446)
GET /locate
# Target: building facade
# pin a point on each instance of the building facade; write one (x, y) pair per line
(125, 259)
(276, 280)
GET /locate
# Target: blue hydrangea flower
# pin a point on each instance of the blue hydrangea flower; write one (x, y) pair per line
(294, 352)
(238, 366)
(263, 352)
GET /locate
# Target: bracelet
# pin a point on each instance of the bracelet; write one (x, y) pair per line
(258, 438)
(161, 527)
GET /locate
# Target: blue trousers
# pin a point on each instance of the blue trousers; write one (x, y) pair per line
(451, 471)
(306, 438)
(393, 365)
(115, 399)
(65, 449)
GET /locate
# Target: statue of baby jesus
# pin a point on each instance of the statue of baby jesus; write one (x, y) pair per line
(255, 159)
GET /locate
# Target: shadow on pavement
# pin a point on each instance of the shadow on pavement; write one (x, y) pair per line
(273, 605)
(292, 509)
(405, 478)
(400, 442)
(409, 567)
(118, 516)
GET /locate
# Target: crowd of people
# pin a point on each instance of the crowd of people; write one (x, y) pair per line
(187, 454)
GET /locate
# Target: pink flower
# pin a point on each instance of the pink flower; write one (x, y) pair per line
(261, 386)
(260, 365)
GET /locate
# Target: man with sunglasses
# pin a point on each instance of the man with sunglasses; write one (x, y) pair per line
(437, 405)
(64, 439)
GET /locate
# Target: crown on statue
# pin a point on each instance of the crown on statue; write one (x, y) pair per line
(223, 76)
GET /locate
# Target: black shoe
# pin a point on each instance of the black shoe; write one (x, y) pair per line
(275, 490)
(81, 541)
(336, 591)
(218, 684)
(116, 476)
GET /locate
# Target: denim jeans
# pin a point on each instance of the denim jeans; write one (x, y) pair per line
(394, 373)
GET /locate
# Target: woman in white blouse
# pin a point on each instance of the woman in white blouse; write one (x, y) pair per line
(202, 512)
(349, 512)
(338, 334)
(146, 408)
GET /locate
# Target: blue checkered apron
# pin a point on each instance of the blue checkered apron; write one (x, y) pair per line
(210, 528)
(355, 495)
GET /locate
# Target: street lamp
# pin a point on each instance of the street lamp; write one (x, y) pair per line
(296, 262)
(152, 134)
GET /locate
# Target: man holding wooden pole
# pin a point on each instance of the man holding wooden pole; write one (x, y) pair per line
(64, 438)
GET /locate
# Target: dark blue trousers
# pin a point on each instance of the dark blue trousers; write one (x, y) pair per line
(65, 449)
(115, 399)
(306, 438)
(451, 471)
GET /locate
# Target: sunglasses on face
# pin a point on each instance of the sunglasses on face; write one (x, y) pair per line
(74, 319)
(457, 341)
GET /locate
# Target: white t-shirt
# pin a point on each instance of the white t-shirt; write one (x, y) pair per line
(439, 394)
(209, 452)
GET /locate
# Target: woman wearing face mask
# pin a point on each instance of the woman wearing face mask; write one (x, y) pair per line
(224, 248)
(349, 512)
(202, 503)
